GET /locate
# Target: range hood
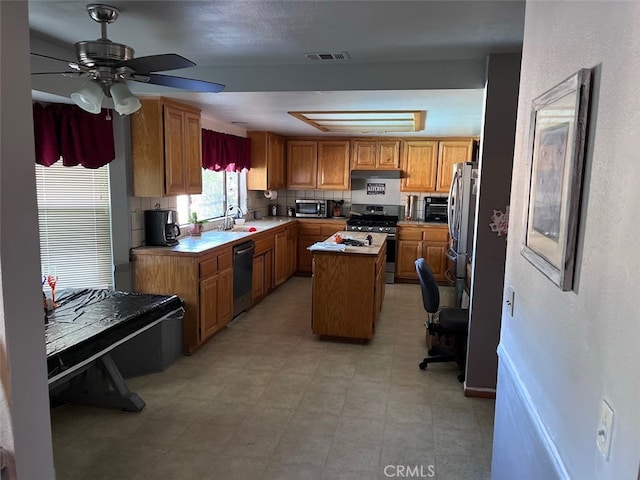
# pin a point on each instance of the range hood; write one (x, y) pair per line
(375, 174)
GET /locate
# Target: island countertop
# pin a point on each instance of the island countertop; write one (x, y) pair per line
(378, 240)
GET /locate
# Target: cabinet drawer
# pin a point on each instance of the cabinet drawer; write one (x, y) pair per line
(224, 261)
(435, 234)
(263, 244)
(413, 234)
(310, 229)
(208, 267)
(330, 228)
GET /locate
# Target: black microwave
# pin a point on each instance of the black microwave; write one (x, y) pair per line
(311, 208)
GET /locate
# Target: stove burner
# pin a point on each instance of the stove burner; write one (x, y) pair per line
(373, 223)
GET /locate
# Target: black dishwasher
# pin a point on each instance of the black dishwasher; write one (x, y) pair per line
(242, 276)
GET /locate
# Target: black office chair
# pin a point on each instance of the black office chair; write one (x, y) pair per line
(450, 325)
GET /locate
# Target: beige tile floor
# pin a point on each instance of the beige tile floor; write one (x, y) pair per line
(265, 399)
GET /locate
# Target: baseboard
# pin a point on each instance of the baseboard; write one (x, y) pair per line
(479, 392)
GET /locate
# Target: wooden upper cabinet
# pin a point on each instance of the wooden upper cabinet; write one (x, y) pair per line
(321, 164)
(267, 162)
(166, 149)
(333, 165)
(375, 155)
(388, 154)
(451, 152)
(302, 164)
(419, 165)
(364, 154)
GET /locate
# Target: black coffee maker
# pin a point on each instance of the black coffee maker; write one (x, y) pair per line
(161, 228)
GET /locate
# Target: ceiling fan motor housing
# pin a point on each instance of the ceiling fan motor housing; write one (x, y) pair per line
(101, 52)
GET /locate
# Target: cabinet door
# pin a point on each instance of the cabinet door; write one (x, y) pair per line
(174, 161)
(408, 252)
(292, 243)
(305, 257)
(275, 162)
(333, 165)
(257, 282)
(436, 256)
(192, 153)
(388, 154)
(225, 297)
(449, 153)
(282, 258)
(419, 165)
(209, 322)
(302, 164)
(364, 154)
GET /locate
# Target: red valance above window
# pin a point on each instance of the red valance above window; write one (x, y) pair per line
(68, 132)
(224, 152)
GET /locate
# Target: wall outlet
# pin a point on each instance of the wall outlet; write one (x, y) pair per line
(509, 300)
(605, 429)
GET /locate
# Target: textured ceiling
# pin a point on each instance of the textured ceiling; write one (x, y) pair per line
(403, 55)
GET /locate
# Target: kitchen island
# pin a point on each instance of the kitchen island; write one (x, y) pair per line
(348, 286)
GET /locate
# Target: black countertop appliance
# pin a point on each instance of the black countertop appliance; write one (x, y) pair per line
(161, 228)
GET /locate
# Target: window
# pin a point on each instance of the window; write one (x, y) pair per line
(219, 191)
(74, 217)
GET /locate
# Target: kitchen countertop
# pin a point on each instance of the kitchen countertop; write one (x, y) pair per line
(419, 223)
(374, 249)
(210, 239)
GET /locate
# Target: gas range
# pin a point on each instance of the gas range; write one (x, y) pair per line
(374, 218)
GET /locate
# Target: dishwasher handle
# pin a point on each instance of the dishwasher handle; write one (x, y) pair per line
(244, 250)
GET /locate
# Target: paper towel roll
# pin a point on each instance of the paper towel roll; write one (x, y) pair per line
(271, 194)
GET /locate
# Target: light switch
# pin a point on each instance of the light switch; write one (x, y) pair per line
(510, 298)
(605, 429)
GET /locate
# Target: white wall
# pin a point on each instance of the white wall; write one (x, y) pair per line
(562, 352)
(24, 396)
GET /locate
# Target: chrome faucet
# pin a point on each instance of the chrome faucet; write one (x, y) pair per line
(226, 216)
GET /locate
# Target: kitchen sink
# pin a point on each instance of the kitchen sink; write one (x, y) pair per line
(245, 228)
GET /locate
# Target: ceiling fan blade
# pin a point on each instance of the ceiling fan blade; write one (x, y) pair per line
(158, 63)
(185, 83)
(49, 57)
(65, 74)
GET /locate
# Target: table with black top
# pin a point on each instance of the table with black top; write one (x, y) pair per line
(90, 327)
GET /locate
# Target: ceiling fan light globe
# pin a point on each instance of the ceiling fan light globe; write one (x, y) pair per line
(89, 97)
(124, 102)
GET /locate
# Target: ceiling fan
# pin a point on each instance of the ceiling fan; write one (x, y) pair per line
(108, 65)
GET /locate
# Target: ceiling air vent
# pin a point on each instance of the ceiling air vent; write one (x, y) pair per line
(328, 56)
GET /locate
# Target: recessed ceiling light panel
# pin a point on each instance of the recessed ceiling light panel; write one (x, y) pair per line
(365, 121)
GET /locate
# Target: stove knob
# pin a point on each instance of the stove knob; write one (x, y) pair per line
(370, 229)
(381, 229)
(359, 228)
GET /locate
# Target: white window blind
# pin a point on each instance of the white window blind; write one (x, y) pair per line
(74, 215)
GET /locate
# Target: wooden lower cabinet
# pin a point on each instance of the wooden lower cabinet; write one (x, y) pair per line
(427, 241)
(281, 266)
(262, 275)
(204, 282)
(310, 232)
(348, 290)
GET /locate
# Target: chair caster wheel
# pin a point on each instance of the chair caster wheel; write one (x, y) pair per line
(423, 365)
(461, 378)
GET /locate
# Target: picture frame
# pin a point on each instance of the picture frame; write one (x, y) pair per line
(558, 131)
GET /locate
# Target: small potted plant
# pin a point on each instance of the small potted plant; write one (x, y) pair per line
(196, 225)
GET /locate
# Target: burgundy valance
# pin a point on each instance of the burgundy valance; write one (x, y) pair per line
(68, 132)
(224, 152)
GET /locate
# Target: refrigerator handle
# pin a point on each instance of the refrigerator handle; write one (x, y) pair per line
(450, 203)
(450, 277)
(451, 254)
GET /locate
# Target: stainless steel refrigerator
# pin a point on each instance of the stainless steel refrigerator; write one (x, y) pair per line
(461, 218)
